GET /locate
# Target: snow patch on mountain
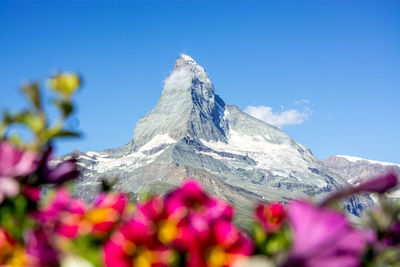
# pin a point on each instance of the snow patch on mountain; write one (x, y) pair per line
(356, 159)
(145, 155)
(268, 156)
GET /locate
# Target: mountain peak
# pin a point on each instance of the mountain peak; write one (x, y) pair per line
(185, 61)
(187, 107)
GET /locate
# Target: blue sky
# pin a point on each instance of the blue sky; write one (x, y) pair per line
(336, 63)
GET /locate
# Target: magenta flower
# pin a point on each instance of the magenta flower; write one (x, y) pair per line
(323, 237)
(217, 244)
(380, 184)
(14, 163)
(186, 220)
(63, 214)
(203, 227)
(135, 244)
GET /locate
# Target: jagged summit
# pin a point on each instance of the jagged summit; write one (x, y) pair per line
(191, 132)
(185, 61)
(187, 107)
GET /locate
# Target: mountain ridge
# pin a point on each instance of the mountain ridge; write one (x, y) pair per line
(356, 170)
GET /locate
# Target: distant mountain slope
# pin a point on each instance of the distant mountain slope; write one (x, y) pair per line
(356, 170)
(191, 132)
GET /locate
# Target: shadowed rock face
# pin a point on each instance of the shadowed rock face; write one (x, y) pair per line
(191, 132)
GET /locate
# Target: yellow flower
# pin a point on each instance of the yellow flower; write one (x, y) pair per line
(167, 231)
(65, 83)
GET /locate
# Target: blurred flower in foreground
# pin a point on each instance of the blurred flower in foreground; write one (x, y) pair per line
(65, 83)
(271, 216)
(323, 237)
(63, 214)
(270, 232)
(106, 212)
(14, 163)
(11, 253)
(190, 198)
(380, 185)
(187, 221)
(56, 174)
(135, 244)
(40, 250)
(393, 235)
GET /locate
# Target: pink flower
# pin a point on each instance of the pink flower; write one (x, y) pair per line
(191, 198)
(271, 216)
(323, 237)
(14, 163)
(63, 214)
(9, 187)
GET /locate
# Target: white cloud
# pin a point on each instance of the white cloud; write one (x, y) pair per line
(302, 102)
(180, 79)
(278, 119)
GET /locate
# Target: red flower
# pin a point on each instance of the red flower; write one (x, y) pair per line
(271, 216)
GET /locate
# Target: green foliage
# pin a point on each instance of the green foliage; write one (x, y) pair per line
(35, 118)
(272, 244)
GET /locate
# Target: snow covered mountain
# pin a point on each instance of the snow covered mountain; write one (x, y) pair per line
(191, 132)
(356, 170)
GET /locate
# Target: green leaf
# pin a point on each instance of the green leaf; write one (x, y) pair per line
(34, 122)
(16, 140)
(31, 90)
(56, 131)
(65, 106)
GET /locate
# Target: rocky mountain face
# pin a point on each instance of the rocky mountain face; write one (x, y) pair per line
(356, 170)
(191, 132)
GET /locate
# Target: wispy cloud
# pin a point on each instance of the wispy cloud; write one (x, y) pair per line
(280, 118)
